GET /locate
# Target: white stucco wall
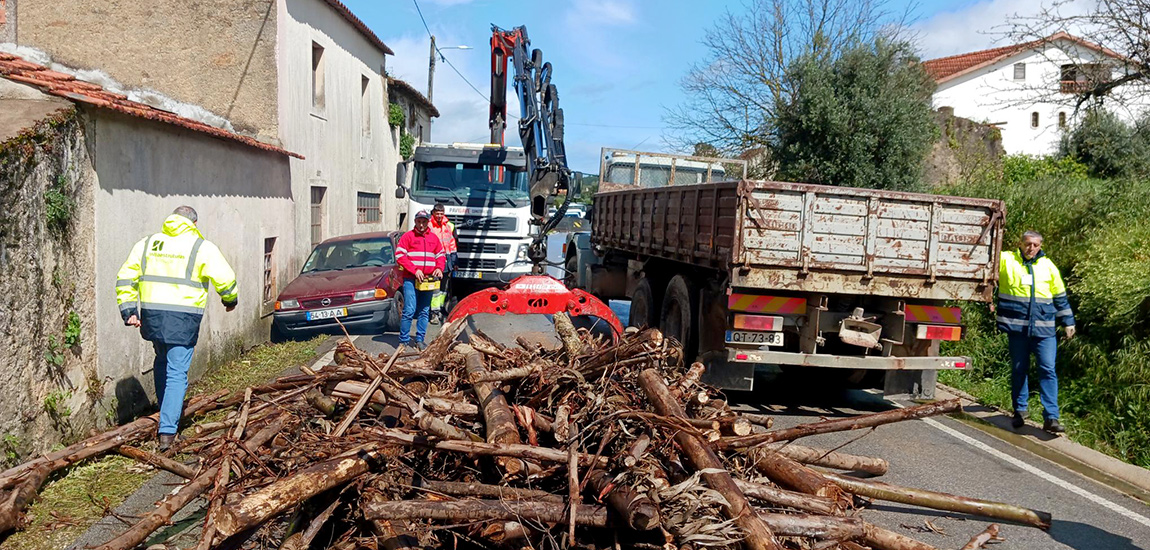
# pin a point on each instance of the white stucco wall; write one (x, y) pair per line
(144, 170)
(992, 95)
(338, 155)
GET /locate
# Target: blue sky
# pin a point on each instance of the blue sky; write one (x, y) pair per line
(617, 63)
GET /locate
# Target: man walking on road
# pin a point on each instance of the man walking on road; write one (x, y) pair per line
(1031, 302)
(162, 289)
(445, 230)
(419, 255)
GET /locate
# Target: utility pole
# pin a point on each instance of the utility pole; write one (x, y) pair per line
(431, 69)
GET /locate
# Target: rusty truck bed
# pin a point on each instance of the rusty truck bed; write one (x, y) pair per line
(813, 238)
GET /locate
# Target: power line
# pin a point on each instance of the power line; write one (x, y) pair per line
(512, 115)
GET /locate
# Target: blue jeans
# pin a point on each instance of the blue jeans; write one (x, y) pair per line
(170, 371)
(414, 300)
(1046, 350)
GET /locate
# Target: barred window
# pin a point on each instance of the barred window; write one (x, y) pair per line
(367, 207)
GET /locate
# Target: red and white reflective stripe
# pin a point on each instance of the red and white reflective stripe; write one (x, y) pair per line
(935, 332)
(771, 323)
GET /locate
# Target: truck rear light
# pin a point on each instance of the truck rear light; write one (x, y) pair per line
(960, 365)
(770, 323)
(741, 356)
(936, 332)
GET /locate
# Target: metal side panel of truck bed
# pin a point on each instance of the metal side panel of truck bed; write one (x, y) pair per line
(814, 238)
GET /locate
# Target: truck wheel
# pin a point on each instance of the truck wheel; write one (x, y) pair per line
(680, 309)
(571, 276)
(643, 308)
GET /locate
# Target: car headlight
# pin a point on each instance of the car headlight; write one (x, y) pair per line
(364, 295)
(521, 254)
(287, 304)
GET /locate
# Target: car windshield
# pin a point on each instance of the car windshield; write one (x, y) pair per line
(470, 184)
(339, 255)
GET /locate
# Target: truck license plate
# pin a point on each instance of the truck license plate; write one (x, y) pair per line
(468, 274)
(750, 337)
(326, 314)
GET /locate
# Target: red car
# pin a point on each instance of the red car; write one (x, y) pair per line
(351, 278)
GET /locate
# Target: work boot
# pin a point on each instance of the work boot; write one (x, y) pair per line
(1018, 421)
(419, 346)
(1051, 425)
(166, 441)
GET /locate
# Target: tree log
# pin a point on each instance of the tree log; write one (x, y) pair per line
(758, 535)
(471, 489)
(432, 357)
(163, 513)
(788, 473)
(572, 343)
(273, 499)
(497, 415)
(394, 535)
(646, 341)
(831, 459)
(782, 497)
(527, 452)
(640, 512)
(980, 540)
(881, 539)
(448, 406)
(461, 511)
(161, 462)
(843, 424)
(818, 527)
(941, 501)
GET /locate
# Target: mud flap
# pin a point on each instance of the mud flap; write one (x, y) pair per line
(918, 384)
(728, 375)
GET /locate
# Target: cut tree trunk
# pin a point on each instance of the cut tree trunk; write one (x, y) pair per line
(942, 501)
(161, 462)
(640, 512)
(497, 415)
(792, 499)
(843, 424)
(471, 489)
(980, 540)
(881, 539)
(788, 473)
(831, 459)
(758, 535)
(462, 511)
(817, 527)
(526, 452)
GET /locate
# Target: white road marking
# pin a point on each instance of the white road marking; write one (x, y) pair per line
(1029, 468)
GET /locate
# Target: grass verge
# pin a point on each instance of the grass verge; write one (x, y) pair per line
(76, 498)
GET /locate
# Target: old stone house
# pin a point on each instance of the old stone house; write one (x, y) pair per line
(84, 174)
(306, 75)
(417, 114)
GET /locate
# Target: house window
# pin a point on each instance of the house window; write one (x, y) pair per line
(365, 105)
(269, 269)
(1020, 71)
(1080, 78)
(317, 78)
(317, 196)
(1062, 119)
(1034, 119)
(367, 207)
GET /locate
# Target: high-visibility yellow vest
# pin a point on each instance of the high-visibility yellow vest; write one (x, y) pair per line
(1031, 295)
(165, 281)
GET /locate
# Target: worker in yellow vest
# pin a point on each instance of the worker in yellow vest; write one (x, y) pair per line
(443, 228)
(1031, 303)
(162, 289)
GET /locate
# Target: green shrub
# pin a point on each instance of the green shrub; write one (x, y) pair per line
(58, 206)
(395, 116)
(1112, 283)
(406, 146)
(1025, 168)
(72, 330)
(1107, 145)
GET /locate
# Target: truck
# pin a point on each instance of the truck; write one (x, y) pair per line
(484, 190)
(859, 285)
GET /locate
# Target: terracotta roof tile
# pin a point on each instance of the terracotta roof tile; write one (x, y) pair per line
(947, 68)
(410, 91)
(359, 25)
(66, 86)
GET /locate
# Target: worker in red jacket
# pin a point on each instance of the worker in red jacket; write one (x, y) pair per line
(420, 256)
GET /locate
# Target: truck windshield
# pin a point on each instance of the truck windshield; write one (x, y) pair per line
(470, 184)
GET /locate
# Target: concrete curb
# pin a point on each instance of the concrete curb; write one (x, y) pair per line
(1122, 476)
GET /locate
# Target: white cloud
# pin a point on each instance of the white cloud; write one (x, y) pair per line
(600, 12)
(981, 25)
(462, 111)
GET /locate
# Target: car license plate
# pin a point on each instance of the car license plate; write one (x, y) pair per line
(326, 314)
(751, 337)
(469, 274)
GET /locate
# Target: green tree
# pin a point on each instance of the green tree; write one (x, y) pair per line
(859, 119)
(1107, 146)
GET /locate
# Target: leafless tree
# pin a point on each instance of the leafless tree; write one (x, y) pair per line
(733, 93)
(1120, 27)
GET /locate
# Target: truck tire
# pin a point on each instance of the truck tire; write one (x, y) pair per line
(643, 308)
(679, 313)
(571, 272)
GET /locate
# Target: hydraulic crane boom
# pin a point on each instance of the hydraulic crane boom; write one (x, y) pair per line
(540, 127)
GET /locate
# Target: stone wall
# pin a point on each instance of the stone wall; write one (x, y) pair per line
(50, 390)
(965, 150)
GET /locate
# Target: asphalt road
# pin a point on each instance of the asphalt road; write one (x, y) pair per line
(944, 454)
